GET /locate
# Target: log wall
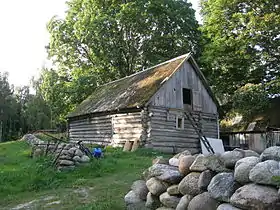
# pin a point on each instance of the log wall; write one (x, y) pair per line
(164, 135)
(95, 130)
(112, 129)
(126, 127)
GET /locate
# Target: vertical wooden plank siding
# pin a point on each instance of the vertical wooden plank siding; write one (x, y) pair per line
(170, 95)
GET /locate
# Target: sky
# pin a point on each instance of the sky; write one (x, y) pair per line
(23, 36)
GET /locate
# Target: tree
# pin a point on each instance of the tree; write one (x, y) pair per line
(113, 39)
(242, 43)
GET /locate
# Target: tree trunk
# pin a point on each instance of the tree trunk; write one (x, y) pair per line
(1, 128)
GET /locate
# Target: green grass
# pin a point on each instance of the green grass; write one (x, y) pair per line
(23, 179)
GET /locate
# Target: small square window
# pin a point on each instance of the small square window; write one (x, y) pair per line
(179, 123)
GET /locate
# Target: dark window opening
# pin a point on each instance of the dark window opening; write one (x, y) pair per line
(180, 123)
(187, 96)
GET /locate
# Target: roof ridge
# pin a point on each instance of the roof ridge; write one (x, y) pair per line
(139, 72)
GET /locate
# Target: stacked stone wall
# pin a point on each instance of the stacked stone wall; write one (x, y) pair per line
(235, 180)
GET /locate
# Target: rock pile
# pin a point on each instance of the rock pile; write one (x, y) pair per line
(239, 179)
(31, 139)
(67, 155)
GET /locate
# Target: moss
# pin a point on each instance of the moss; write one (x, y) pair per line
(129, 92)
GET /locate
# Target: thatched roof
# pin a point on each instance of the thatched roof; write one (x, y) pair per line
(130, 92)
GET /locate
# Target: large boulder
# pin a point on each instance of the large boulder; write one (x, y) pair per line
(79, 152)
(156, 187)
(153, 201)
(160, 160)
(227, 206)
(189, 185)
(173, 190)
(243, 167)
(231, 157)
(222, 186)
(131, 198)
(174, 162)
(181, 154)
(202, 202)
(166, 173)
(205, 179)
(247, 153)
(164, 208)
(184, 202)
(204, 162)
(184, 164)
(85, 159)
(133, 202)
(77, 159)
(66, 163)
(214, 163)
(263, 172)
(253, 196)
(169, 200)
(68, 146)
(199, 163)
(31, 139)
(139, 187)
(271, 153)
(72, 151)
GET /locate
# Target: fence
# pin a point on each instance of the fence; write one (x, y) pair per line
(254, 140)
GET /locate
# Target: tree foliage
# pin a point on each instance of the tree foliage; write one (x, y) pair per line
(115, 38)
(20, 111)
(243, 42)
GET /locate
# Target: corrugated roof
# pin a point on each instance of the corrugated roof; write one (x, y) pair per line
(129, 92)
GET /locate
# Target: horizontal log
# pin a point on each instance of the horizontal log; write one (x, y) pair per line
(174, 139)
(127, 117)
(103, 128)
(136, 131)
(127, 114)
(127, 121)
(90, 141)
(170, 150)
(174, 135)
(128, 126)
(172, 144)
(125, 139)
(107, 122)
(95, 119)
(125, 136)
(90, 136)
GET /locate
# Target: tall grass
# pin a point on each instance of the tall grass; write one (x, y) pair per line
(22, 176)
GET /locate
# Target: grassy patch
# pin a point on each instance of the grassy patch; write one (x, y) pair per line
(23, 179)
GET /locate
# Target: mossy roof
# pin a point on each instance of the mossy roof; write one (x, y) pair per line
(133, 91)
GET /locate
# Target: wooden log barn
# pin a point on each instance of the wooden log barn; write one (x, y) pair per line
(148, 107)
